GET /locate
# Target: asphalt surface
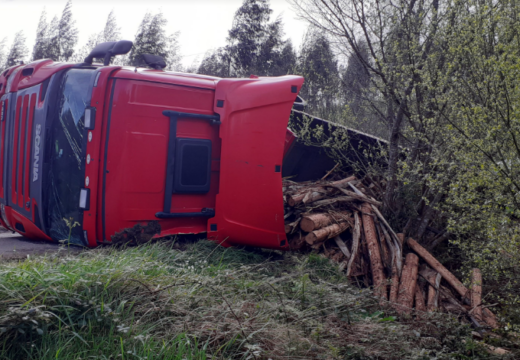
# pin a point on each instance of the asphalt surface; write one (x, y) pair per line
(15, 246)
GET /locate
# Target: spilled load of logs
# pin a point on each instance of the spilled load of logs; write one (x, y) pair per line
(341, 219)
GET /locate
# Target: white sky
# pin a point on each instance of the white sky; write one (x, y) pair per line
(203, 24)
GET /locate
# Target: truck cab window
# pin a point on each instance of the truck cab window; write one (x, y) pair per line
(192, 166)
(64, 169)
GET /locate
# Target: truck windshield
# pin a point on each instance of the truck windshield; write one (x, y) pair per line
(65, 159)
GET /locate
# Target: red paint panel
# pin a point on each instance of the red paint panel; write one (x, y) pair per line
(138, 150)
(15, 147)
(31, 230)
(249, 206)
(23, 124)
(27, 178)
(2, 149)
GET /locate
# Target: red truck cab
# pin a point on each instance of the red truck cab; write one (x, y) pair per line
(89, 150)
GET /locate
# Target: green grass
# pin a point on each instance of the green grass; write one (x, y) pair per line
(206, 302)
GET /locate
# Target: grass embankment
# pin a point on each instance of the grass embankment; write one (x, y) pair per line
(205, 302)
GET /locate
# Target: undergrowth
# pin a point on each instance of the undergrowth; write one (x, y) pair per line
(206, 302)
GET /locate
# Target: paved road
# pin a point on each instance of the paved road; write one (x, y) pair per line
(14, 246)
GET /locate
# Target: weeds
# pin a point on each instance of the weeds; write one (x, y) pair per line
(207, 302)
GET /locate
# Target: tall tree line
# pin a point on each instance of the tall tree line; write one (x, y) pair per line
(255, 45)
(58, 38)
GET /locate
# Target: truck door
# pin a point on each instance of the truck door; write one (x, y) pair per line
(161, 159)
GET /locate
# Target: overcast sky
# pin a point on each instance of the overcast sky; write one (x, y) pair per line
(203, 24)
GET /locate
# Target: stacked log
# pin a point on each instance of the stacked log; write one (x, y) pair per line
(341, 219)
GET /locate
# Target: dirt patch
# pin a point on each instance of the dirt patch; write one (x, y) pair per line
(136, 235)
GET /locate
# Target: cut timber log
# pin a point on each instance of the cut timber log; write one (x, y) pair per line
(312, 222)
(345, 181)
(378, 275)
(356, 235)
(333, 200)
(476, 294)
(437, 266)
(394, 286)
(434, 281)
(489, 317)
(297, 241)
(289, 227)
(355, 195)
(320, 235)
(342, 246)
(408, 282)
(420, 303)
(313, 193)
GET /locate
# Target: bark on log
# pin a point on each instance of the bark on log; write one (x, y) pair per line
(437, 266)
(394, 286)
(312, 222)
(344, 182)
(356, 196)
(325, 233)
(342, 246)
(297, 241)
(297, 198)
(434, 281)
(289, 227)
(378, 275)
(386, 256)
(408, 282)
(420, 303)
(489, 317)
(333, 200)
(356, 234)
(476, 294)
(398, 247)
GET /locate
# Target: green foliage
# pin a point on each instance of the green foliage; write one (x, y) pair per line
(254, 46)
(151, 38)
(67, 33)
(18, 50)
(153, 302)
(442, 80)
(317, 64)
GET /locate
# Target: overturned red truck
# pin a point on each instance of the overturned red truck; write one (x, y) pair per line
(87, 150)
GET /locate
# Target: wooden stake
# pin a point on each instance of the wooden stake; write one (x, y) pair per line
(378, 275)
(408, 282)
